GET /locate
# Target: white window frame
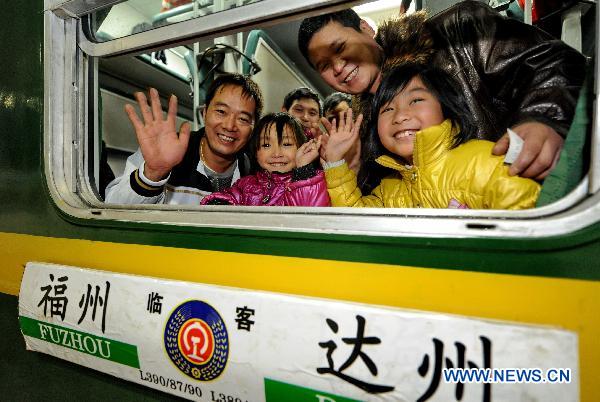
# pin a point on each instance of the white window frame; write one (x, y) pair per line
(68, 55)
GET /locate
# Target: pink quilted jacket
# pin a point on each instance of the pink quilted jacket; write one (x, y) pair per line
(275, 189)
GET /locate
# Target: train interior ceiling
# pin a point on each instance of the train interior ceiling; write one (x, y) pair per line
(269, 53)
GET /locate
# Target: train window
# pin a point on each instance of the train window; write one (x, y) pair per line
(97, 58)
(135, 16)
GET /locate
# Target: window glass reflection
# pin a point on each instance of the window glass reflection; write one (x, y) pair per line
(134, 16)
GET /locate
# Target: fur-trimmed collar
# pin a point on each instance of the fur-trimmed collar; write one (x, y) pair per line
(405, 39)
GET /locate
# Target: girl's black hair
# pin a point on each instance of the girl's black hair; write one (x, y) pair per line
(441, 85)
(261, 133)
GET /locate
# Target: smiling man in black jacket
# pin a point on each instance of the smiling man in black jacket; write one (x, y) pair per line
(512, 74)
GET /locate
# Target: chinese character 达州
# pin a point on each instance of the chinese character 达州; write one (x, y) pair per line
(58, 302)
(438, 347)
(154, 303)
(357, 344)
(243, 318)
(89, 300)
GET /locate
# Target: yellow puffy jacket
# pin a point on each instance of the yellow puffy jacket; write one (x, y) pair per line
(466, 176)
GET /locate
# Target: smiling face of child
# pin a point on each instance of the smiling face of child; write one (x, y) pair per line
(273, 156)
(412, 109)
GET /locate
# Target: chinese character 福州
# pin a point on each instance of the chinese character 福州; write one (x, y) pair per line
(89, 300)
(243, 318)
(357, 344)
(460, 364)
(58, 302)
(154, 303)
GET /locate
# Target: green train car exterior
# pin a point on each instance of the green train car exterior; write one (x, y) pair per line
(538, 267)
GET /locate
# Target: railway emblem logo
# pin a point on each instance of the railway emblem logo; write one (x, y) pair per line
(196, 340)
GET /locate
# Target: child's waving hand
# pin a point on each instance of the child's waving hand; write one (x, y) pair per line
(341, 137)
(308, 152)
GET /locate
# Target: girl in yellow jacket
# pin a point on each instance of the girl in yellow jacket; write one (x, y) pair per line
(424, 134)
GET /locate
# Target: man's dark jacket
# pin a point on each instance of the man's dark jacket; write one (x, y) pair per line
(509, 72)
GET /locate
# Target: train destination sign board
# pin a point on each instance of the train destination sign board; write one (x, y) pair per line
(213, 343)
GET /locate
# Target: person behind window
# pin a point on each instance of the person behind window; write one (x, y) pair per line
(333, 106)
(421, 132)
(336, 103)
(513, 75)
(305, 105)
(404, 6)
(182, 168)
(283, 158)
(167, 5)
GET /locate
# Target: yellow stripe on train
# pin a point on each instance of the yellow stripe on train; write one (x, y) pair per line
(566, 303)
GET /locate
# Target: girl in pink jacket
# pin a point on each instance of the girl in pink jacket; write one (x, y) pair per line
(282, 158)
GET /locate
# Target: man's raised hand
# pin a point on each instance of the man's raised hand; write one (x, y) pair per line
(162, 147)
